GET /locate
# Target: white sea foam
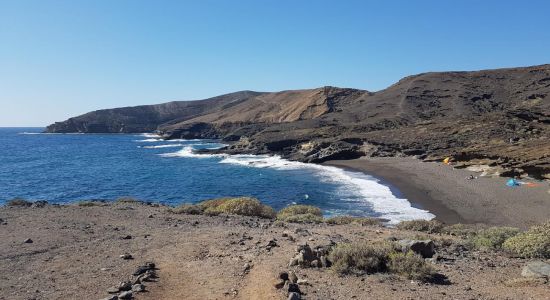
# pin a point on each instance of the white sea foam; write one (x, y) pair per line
(150, 135)
(149, 140)
(161, 146)
(187, 151)
(354, 186)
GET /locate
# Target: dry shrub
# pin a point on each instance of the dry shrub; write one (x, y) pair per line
(244, 206)
(343, 220)
(188, 209)
(360, 258)
(300, 214)
(410, 265)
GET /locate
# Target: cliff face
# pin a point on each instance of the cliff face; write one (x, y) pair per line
(492, 117)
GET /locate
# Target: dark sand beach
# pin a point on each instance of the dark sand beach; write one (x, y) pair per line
(447, 193)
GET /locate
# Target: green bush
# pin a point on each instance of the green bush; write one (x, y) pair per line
(410, 265)
(534, 243)
(188, 209)
(493, 237)
(244, 206)
(19, 202)
(300, 214)
(343, 220)
(431, 226)
(360, 258)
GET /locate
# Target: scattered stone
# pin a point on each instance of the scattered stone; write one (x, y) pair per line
(28, 241)
(128, 237)
(125, 295)
(272, 243)
(292, 277)
(138, 288)
(294, 296)
(425, 248)
(536, 269)
(112, 297)
(150, 216)
(126, 256)
(113, 290)
(148, 267)
(302, 282)
(284, 276)
(247, 267)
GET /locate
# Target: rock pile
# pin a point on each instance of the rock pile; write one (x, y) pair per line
(289, 282)
(315, 258)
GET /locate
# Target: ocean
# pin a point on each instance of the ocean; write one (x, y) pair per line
(64, 168)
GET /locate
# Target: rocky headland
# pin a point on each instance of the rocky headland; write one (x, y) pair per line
(495, 121)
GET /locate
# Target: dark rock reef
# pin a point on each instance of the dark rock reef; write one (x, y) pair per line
(493, 118)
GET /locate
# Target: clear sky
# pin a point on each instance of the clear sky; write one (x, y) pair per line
(63, 58)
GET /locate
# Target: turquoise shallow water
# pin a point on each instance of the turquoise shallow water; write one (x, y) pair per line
(63, 168)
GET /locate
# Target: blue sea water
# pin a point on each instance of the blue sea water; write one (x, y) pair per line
(63, 168)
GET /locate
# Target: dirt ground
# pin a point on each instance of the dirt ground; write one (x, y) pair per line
(75, 254)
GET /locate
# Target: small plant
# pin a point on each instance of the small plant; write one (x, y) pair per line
(90, 203)
(343, 220)
(244, 206)
(19, 202)
(300, 214)
(493, 237)
(431, 226)
(127, 199)
(188, 209)
(410, 265)
(534, 243)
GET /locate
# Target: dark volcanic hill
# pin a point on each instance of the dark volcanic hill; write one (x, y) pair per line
(489, 118)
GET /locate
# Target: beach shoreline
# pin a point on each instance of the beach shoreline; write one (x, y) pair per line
(447, 193)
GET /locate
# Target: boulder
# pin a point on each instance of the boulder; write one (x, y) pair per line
(28, 241)
(536, 269)
(425, 248)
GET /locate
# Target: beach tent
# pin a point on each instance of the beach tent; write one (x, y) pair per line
(446, 160)
(512, 182)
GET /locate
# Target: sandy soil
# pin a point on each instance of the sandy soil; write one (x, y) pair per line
(447, 193)
(75, 255)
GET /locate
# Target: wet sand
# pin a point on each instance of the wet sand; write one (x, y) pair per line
(447, 193)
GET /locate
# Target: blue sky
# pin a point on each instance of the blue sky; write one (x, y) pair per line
(63, 58)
